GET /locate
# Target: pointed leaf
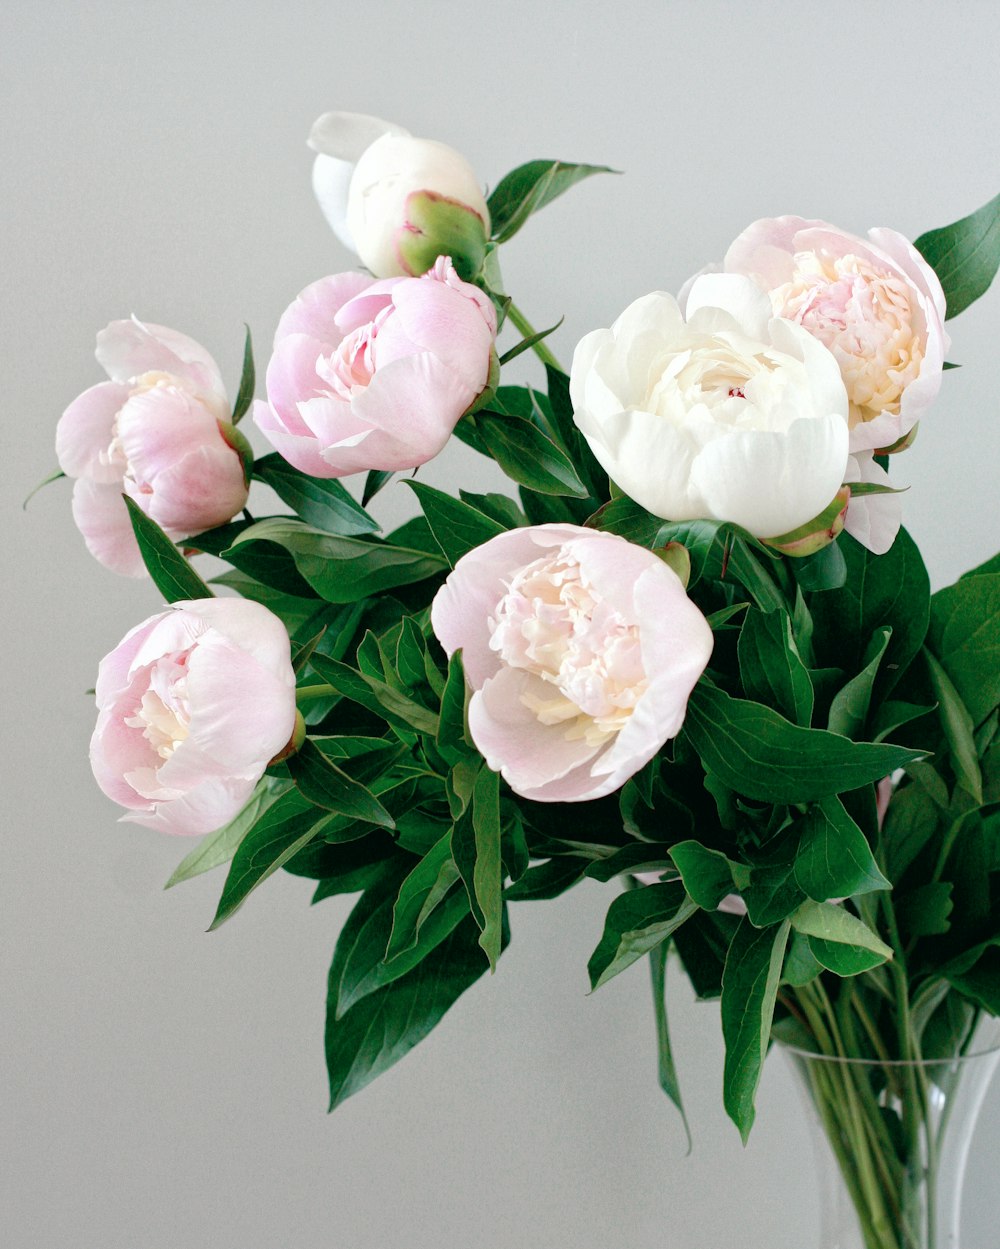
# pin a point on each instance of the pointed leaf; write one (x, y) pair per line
(172, 575)
(834, 859)
(530, 187)
(248, 381)
(325, 785)
(322, 502)
(965, 255)
(637, 922)
(457, 527)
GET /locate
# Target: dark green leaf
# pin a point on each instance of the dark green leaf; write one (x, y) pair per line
(965, 255)
(46, 481)
(389, 704)
(665, 1057)
(374, 482)
(637, 856)
(850, 705)
(452, 740)
(627, 519)
(834, 859)
(547, 880)
(219, 847)
(924, 911)
(172, 575)
(749, 989)
(527, 343)
(771, 668)
(423, 890)
(838, 939)
(458, 527)
(637, 922)
(384, 1026)
(707, 874)
(265, 562)
(340, 569)
(322, 502)
(500, 508)
(248, 381)
(826, 570)
(528, 456)
(891, 589)
(530, 187)
(756, 752)
(958, 729)
(325, 785)
(282, 830)
(964, 635)
(487, 875)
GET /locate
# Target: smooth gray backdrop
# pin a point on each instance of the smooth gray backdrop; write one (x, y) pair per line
(164, 1088)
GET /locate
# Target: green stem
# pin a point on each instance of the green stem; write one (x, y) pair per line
(521, 323)
(312, 693)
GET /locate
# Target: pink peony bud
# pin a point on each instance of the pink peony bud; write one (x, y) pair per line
(192, 706)
(370, 374)
(159, 432)
(581, 650)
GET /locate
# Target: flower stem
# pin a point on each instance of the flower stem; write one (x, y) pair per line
(521, 323)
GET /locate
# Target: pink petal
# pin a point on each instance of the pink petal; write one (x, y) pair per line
(211, 805)
(313, 311)
(100, 515)
(85, 431)
(127, 349)
(450, 324)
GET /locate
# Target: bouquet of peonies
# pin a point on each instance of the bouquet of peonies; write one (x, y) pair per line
(696, 655)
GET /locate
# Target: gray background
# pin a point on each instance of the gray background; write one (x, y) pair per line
(163, 1088)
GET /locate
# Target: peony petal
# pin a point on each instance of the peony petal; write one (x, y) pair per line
(449, 323)
(314, 310)
(302, 451)
(101, 516)
(741, 297)
(872, 519)
(86, 430)
(203, 810)
(346, 135)
(205, 488)
(127, 349)
(803, 467)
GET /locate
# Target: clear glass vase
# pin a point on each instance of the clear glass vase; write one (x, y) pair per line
(891, 1142)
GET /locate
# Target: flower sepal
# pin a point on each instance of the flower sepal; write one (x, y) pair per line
(437, 225)
(815, 534)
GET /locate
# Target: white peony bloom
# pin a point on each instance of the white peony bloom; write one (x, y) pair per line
(733, 414)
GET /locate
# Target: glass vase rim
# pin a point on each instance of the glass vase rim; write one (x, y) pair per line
(985, 1049)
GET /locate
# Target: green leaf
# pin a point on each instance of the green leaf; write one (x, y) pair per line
(665, 1057)
(500, 508)
(527, 343)
(964, 635)
(707, 874)
(219, 847)
(340, 569)
(965, 255)
(452, 739)
(365, 968)
(487, 876)
(958, 730)
(834, 859)
(322, 502)
(771, 668)
(749, 989)
(248, 381)
(925, 911)
(840, 941)
(325, 785)
(547, 880)
(283, 829)
(824, 570)
(172, 575)
(377, 478)
(637, 922)
(772, 893)
(381, 699)
(758, 753)
(627, 519)
(457, 527)
(850, 705)
(528, 456)
(266, 563)
(891, 589)
(422, 890)
(383, 1027)
(530, 187)
(46, 481)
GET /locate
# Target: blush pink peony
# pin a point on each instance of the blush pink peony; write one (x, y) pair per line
(374, 374)
(581, 650)
(192, 706)
(874, 302)
(158, 431)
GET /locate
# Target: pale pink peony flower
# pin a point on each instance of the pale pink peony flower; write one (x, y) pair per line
(192, 706)
(581, 650)
(875, 303)
(374, 374)
(158, 431)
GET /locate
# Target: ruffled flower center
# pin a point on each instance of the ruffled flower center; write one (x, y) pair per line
(163, 716)
(351, 365)
(865, 316)
(553, 624)
(728, 378)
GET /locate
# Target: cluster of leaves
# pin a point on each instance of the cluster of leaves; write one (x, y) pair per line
(829, 674)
